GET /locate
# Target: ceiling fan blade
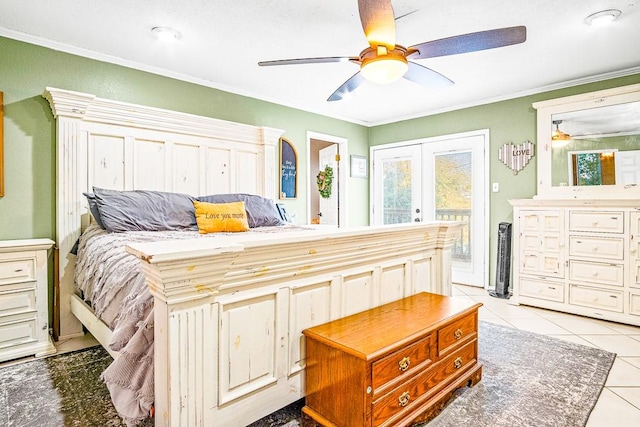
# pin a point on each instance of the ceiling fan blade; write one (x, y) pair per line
(378, 22)
(309, 60)
(471, 42)
(347, 87)
(426, 76)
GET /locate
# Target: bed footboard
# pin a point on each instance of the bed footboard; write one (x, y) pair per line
(229, 318)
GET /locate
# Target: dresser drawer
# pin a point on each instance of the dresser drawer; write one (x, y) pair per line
(597, 221)
(634, 304)
(542, 289)
(602, 299)
(596, 272)
(402, 362)
(413, 392)
(597, 247)
(457, 332)
(17, 270)
(16, 333)
(17, 302)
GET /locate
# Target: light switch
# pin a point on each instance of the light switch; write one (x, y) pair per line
(496, 187)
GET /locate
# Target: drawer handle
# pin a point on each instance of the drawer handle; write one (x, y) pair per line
(403, 400)
(19, 270)
(457, 363)
(404, 363)
(457, 334)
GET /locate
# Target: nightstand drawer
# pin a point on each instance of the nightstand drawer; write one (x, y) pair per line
(422, 385)
(17, 270)
(596, 221)
(401, 362)
(457, 332)
(16, 333)
(17, 302)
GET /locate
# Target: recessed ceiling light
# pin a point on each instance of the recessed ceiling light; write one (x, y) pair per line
(166, 34)
(603, 17)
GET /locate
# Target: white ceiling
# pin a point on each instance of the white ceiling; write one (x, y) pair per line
(223, 40)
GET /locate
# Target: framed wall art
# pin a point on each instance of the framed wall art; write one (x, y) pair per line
(288, 170)
(359, 167)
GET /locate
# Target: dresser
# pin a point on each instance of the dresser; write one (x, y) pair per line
(392, 365)
(578, 256)
(24, 314)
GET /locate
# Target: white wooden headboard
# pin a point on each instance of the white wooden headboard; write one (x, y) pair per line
(123, 146)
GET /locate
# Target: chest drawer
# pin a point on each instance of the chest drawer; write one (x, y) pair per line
(598, 247)
(602, 299)
(413, 392)
(401, 363)
(597, 221)
(17, 302)
(634, 304)
(596, 272)
(457, 332)
(17, 270)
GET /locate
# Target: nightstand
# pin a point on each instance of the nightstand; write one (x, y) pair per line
(24, 314)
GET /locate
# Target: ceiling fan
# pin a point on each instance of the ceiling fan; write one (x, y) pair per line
(384, 61)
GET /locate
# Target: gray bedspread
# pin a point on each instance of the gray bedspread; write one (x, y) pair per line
(112, 282)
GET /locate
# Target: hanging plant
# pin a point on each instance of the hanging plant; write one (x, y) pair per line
(324, 180)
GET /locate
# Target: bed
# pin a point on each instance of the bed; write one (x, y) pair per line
(228, 312)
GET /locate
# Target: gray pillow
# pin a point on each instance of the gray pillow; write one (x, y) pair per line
(261, 212)
(145, 210)
(93, 208)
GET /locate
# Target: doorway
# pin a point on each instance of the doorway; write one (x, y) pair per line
(322, 151)
(442, 178)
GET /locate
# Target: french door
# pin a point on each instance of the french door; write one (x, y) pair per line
(442, 178)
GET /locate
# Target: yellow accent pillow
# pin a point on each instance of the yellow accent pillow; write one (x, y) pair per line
(217, 217)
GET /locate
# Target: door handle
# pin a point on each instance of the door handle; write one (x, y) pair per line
(417, 220)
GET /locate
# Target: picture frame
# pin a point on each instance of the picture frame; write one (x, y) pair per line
(288, 170)
(1, 144)
(359, 168)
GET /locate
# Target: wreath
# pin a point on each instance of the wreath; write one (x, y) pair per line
(324, 180)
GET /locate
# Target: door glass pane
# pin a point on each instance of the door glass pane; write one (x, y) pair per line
(396, 181)
(453, 195)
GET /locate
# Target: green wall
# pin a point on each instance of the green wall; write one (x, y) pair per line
(27, 210)
(511, 121)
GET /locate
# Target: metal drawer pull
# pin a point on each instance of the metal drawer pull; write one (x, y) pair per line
(404, 363)
(404, 399)
(457, 334)
(457, 363)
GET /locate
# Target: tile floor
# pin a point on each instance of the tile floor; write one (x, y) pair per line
(619, 403)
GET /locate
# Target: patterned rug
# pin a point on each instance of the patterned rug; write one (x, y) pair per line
(528, 380)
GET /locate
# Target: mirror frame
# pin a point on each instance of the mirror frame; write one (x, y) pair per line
(545, 110)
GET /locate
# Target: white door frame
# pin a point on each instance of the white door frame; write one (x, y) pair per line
(481, 132)
(343, 152)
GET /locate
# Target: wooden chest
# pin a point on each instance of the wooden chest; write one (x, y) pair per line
(392, 365)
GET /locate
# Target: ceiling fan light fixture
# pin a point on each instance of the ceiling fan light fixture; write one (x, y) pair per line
(384, 69)
(603, 17)
(559, 138)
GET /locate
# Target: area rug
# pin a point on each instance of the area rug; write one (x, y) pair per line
(528, 380)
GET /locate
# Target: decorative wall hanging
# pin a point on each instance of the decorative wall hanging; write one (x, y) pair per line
(516, 157)
(324, 179)
(358, 167)
(288, 170)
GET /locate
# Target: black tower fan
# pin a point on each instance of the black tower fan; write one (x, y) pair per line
(503, 271)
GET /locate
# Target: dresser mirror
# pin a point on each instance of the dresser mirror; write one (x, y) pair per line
(589, 145)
